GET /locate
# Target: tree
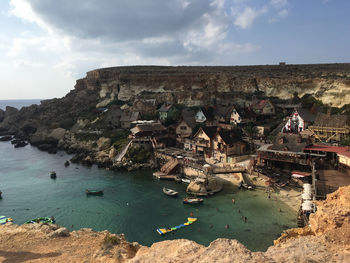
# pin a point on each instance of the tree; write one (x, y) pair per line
(251, 130)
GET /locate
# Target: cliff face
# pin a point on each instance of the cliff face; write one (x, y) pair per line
(197, 85)
(191, 86)
(327, 239)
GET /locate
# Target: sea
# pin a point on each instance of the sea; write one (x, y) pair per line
(18, 103)
(133, 202)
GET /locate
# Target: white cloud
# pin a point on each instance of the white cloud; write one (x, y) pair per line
(283, 13)
(245, 19)
(279, 3)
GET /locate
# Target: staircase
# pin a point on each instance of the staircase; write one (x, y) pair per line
(120, 155)
(169, 166)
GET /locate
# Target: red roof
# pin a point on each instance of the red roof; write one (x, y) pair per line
(326, 148)
(346, 153)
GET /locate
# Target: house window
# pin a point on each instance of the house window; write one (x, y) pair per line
(183, 127)
(301, 129)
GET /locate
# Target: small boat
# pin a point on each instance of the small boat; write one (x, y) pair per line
(47, 220)
(53, 175)
(169, 192)
(190, 221)
(94, 192)
(245, 186)
(186, 181)
(4, 220)
(190, 200)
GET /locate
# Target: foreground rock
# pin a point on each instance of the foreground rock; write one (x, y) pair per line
(327, 239)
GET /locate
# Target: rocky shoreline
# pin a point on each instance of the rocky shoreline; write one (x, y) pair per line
(326, 239)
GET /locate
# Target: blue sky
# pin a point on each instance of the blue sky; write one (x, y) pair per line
(45, 45)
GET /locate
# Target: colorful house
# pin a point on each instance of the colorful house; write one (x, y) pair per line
(299, 120)
(263, 107)
(205, 114)
(203, 140)
(165, 111)
(227, 144)
(186, 124)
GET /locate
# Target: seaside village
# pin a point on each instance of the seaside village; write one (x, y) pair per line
(294, 146)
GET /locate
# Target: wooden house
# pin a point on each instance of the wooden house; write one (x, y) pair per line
(203, 140)
(263, 107)
(205, 114)
(244, 116)
(145, 107)
(298, 121)
(227, 144)
(112, 117)
(166, 111)
(127, 118)
(186, 124)
(330, 127)
(148, 130)
(223, 114)
(287, 152)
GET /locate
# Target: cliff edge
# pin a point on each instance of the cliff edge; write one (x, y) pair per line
(326, 239)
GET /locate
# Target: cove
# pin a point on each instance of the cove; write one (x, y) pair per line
(133, 203)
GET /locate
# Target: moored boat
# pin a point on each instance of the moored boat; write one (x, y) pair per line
(4, 220)
(169, 192)
(186, 181)
(53, 175)
(48, 220)
(190, 200)
(94, 192)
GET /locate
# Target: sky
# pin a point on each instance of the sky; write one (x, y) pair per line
(46, 45)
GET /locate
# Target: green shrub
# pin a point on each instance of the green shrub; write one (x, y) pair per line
(138, 154)
(111, 240)
(119, 138)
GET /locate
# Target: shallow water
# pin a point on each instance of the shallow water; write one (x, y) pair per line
(133, 203)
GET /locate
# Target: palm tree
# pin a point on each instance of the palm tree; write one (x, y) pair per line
(251, 130)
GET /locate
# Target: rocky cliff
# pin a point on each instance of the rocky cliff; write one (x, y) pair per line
(197, 85)
(80, 109)
(327, 239)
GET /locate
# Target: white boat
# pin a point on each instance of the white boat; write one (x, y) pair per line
(169, 192)
(186, 181)
(192, 200)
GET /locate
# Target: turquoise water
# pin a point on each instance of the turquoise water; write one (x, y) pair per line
(133, 203)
